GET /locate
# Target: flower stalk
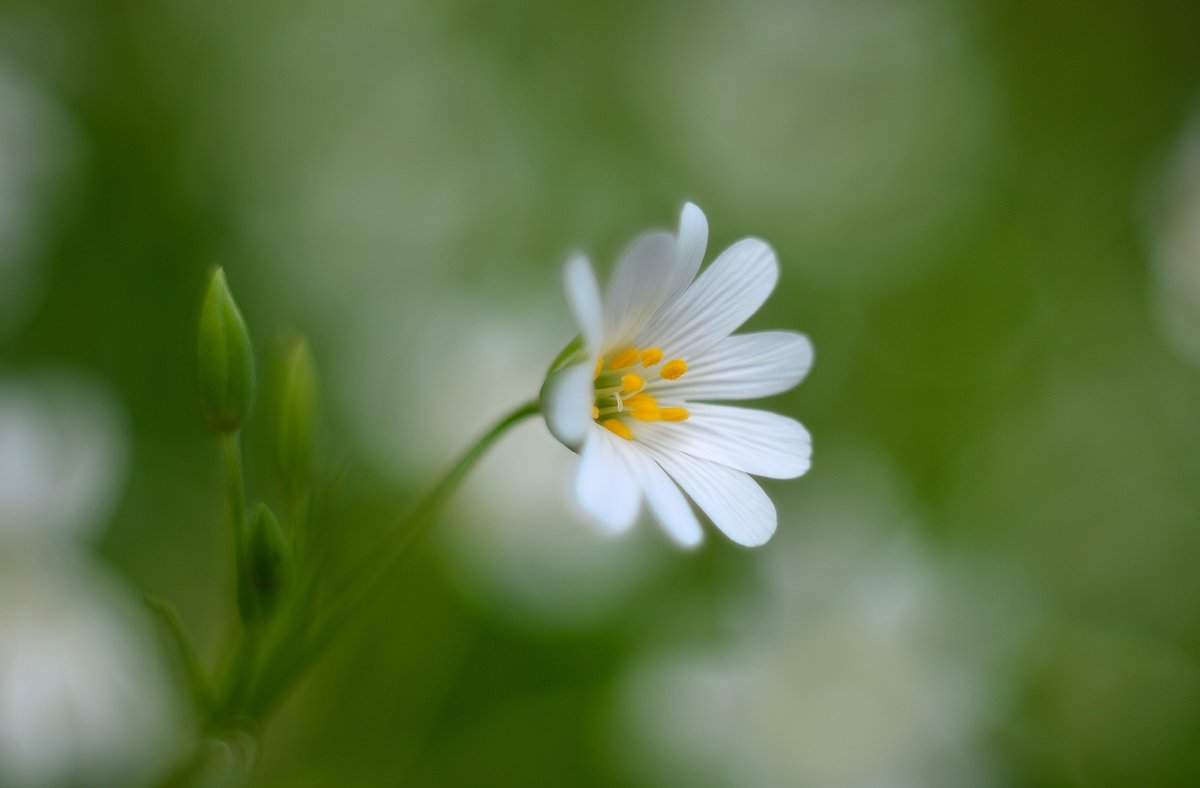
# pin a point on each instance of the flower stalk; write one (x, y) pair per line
(418, 522)
(638, 395)
(294, 654)
(235, 506)
(281, 626)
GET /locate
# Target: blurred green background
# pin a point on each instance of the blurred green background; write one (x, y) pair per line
(988, 219)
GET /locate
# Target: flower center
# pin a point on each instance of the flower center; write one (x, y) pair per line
(624, 389)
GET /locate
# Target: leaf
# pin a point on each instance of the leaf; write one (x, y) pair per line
(199, 683)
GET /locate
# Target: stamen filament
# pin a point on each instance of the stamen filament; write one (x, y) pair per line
(628, 391)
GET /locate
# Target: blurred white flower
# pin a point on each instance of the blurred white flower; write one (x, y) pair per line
(866, 129)
(848, 665)
(414, 146)
(1175, 228)
(530, 558)
(656, 350)
(63, 455)
(83, 698)
(39, 143)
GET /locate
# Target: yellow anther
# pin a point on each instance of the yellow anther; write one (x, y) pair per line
(643, 407)
(651, 356)
(674, 414)
(641, 400)
(618, 427)
(595, 412)
(599, 367)
(632, 384)
(626, 358)
(673, 369)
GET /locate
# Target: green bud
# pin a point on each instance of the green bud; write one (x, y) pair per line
(226, 358)
(268, 564)
(298, 409)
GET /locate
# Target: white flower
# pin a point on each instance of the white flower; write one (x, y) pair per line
(63, 456)
(517, 560)
(633, 394)
(851, 655)
(83, 697)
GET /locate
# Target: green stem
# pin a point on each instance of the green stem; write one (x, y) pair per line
(237, 674)
(235, 500)
(384, 561)
(238, 682)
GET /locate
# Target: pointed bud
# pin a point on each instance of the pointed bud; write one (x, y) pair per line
(226, 358)
(298, 415)
(268, 565)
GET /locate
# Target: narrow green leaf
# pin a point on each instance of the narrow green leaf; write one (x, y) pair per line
(199, 683)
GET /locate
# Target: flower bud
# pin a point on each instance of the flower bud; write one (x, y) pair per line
(298, 408)
(226, 359)
(267, 566)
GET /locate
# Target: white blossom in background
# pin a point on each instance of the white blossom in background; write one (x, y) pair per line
(519, 548)
(657, 350)
(851, 662)
(867, 129)
(39, 146)
(63, 454)
(414, 152)
(1175, 237)
(83, 697)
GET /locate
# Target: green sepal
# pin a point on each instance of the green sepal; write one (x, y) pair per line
(574, 353)
(569, 356)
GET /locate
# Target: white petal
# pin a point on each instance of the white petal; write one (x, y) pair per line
(743, 366)
(639, 286)
(693, 238)
(731, 499)
(604, 484)
(754, 441)
(665, 500)
(727, 293)
(566, 403)
(583, 298)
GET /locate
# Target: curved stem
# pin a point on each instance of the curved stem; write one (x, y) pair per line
(384, 561)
